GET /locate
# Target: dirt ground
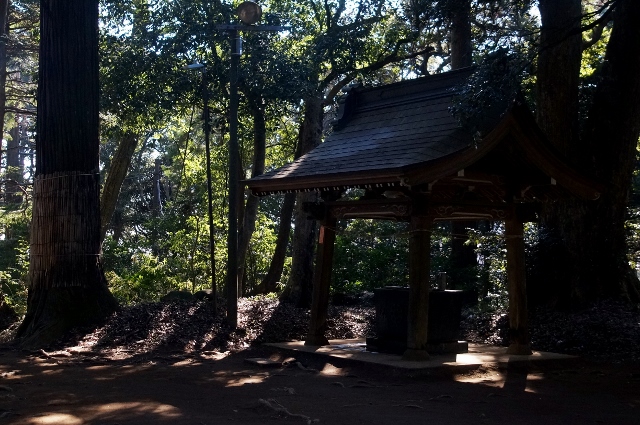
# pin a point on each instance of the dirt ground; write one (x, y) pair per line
(221, 387)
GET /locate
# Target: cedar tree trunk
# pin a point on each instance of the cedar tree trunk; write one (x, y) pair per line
(463, 257)
(299, 287)
(67, 286)
(589, 238)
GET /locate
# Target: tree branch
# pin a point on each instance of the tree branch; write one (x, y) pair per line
(393, 57)
(598, 27)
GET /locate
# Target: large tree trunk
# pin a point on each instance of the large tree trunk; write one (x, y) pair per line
(270, 281)
(586, 241)
(558, 74)
(463, 257)
(113, 183)
(251, 208)
(66, 281)
(299, 288)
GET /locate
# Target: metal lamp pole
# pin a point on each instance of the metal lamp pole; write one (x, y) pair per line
(234, 159)
(249, 13)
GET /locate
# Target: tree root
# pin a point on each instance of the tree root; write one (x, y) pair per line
(278, 408)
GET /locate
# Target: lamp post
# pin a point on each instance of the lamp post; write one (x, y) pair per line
(206, 126)
(249, 14)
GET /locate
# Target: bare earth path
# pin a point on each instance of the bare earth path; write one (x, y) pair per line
(220, 388)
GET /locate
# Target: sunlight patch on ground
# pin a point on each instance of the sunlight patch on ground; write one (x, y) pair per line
(98, 368)
(51, 371)
(128, 409)
(238, 379)
(55, 418)
(331, 370)
(186, 362)
(109, 412)
(215, 355)
(244, 381)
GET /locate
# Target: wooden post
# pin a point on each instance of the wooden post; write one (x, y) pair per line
(516, 272)
(321, 282)
(419, 269)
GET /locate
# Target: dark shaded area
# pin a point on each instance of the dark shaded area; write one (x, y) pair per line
(62, 387)
(7, 315)
(607, 331)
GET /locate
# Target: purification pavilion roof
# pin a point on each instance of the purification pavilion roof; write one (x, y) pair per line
(404, 135)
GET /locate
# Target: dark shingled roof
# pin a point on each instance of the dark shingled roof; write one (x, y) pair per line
(382, 131)
(404, 134)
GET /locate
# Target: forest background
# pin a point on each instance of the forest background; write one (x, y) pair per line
(153, 166)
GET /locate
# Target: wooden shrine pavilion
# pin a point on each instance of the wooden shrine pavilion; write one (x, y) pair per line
(416, 163)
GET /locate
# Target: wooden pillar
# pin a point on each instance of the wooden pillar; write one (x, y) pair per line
(321, 283)
(516, 272)
(419, 270)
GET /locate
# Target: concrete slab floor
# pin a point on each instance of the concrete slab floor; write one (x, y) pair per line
(478, 355)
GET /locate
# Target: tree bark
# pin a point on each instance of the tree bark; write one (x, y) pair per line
(14, 166)
(4, 39)
(250, 215)
(462, 256)
(299, 287)
(590, 237)
(67, 286)
(461, 47)
(558, 73)
(113, 183)
(270, 281)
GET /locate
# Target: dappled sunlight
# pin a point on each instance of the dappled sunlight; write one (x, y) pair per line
(151, 410)
(51, 371)
(331, 370)
(132, 409)
(54, 418)
(97, 368)
(488, 378)
(214, 355)
(244, 381)
(186, 363)
(239, 378)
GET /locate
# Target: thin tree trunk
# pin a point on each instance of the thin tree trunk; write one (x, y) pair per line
(299, 287)
(115, 177)
(461, 47)
(67, 286)
(14, 166)
(251, 208)
(4, 38)
(270, 281)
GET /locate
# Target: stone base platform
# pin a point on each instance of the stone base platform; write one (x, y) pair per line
(478, 355)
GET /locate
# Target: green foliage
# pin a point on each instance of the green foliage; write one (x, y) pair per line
(369, 254)
(260, 252)
(14, 256)
(147, 279)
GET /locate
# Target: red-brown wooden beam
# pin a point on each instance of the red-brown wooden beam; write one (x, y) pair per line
(516, 272)
(321, 282)
(419, 270)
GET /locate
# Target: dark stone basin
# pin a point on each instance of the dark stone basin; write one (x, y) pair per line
(392, 309)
